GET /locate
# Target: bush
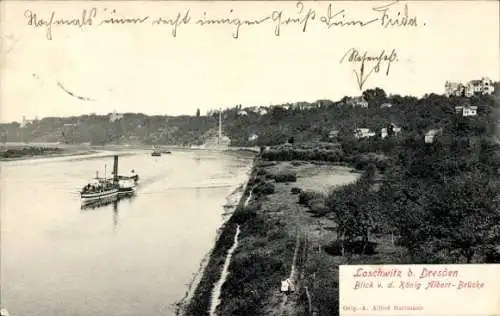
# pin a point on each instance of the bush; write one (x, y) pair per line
(318, 207)
(245, 214)
(264, 188)
(287, 153)
(255, 181)
(285, 176)
(261, 172)
(296, 190)
(306, 197)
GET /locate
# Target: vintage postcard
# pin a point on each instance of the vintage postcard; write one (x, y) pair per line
(250, 158)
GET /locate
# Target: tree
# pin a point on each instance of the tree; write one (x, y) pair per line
(375, 97)
(197, 112)
(390, 130)
(464, 217)
(352, 213)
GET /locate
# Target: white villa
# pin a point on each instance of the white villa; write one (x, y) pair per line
(466, 110)
(115, 116)
(253, 137)
(482, 86)
(358, 101)
(384, 132)
(431, 134)
(25, 122)
(363, 133)
(333, 134)
(262, 111)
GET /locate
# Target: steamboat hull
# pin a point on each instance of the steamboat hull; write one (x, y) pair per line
(100, 197)
(126, 192)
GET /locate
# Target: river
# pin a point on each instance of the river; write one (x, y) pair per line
(134, 258)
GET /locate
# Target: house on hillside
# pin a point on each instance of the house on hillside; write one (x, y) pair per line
(384, 133)
(466, 110)
(363, 133)
(253, 109)
(473, 87)
(482, 86)
(25, 122)
(324, 103)
(431, 135)
(262, 111)
(358, 101)
(253, 137)
(242, 113)
(115, 116)
(392, 129)
(454, 88)
(386, 105)
(302, 106)
(333, 134)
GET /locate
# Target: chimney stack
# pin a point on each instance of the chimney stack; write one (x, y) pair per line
(115, 170)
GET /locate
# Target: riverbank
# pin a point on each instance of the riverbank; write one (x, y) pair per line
(305, 218)
(32, 152)
(276, 235)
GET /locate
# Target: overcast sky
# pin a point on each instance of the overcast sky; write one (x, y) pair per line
(143, 68)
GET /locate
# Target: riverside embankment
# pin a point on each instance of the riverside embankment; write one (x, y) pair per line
(275, 235)
(199, 295)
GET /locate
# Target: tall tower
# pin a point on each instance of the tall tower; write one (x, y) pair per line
(220, 127)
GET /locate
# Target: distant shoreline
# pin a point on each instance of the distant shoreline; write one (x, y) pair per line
(67, 154)
(39, 151)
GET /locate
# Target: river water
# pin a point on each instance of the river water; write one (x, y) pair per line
(133, 258)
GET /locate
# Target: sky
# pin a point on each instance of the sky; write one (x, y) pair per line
(143, 68)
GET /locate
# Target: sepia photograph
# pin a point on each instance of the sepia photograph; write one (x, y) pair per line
(241, 158)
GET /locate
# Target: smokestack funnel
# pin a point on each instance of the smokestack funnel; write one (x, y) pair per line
(115, 170)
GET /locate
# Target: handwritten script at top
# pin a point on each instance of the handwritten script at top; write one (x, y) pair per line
(392, 15)
(376, 61)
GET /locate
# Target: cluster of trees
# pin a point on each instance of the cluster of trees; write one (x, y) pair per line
(438, 216)
(440, 201)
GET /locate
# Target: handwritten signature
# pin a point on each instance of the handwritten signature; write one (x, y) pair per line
(354, 56)
(387, 16)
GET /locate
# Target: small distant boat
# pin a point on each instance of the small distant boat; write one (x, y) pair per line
(156, 151)
(166, 152)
